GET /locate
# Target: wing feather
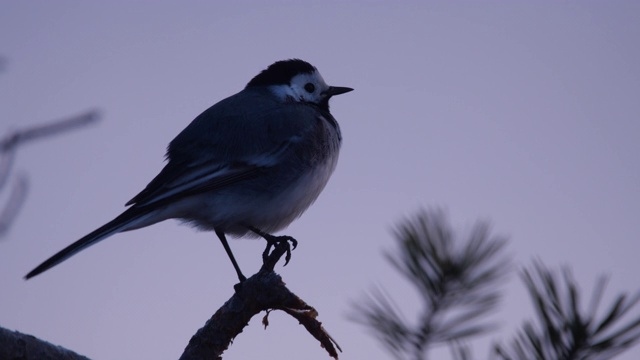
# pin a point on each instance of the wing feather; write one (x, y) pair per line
(232, 141)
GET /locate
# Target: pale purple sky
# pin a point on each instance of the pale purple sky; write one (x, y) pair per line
(526, 114)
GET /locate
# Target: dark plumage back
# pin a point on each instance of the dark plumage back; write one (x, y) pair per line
(281, 72)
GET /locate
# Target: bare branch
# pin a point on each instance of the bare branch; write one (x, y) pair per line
(14, 204)
(15, 345)
(7, 158)
(18, 137)
(8, 147)
(264, 291)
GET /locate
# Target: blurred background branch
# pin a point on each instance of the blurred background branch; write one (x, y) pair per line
(8, 148)
(565, 331)
(457, 279)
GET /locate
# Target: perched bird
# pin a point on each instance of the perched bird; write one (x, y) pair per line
(247, 166)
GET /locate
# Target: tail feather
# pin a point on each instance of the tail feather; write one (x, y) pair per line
(120, 223)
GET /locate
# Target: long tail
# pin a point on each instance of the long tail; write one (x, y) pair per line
(125, 221)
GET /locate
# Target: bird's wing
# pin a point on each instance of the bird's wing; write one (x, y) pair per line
(232, 141)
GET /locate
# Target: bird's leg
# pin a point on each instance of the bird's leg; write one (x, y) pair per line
(273, 240)
(223, 240)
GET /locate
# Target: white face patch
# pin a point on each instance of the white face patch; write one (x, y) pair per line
(304, 87)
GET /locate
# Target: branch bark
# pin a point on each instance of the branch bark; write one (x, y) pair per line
(16, 345)
(264, 291)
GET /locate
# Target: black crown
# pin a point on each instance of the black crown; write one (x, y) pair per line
(281, 72)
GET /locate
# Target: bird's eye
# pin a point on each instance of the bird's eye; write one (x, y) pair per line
(309, 87)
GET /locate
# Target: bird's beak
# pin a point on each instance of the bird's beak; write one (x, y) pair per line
(336, 90)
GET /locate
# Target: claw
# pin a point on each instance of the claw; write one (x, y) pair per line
(276, 241)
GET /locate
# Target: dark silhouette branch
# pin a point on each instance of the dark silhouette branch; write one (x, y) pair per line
(15, 345)
(264, 291)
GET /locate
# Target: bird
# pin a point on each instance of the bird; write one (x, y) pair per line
(247, 166)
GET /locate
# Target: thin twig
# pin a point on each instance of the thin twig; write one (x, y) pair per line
(18, 137)
(14, 204)
(8, 148)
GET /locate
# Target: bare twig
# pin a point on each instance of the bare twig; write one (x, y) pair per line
(8, 147)
(18, 137)
(7, 158)
(14, 204)
(264, 291)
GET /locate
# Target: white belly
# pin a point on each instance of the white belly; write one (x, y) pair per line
(234, 210)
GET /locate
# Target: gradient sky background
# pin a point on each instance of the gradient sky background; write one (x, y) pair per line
(526, 114)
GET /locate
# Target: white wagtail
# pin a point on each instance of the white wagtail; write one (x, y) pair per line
(248, 165)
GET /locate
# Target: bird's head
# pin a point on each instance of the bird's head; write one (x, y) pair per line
(297, 80)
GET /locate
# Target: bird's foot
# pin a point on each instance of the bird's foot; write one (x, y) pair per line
(289, 242)
(273, 241)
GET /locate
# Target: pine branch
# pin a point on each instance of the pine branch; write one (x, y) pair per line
(458, 281)
(564, 331)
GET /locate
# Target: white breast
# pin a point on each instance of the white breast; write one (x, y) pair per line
(280, 211)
